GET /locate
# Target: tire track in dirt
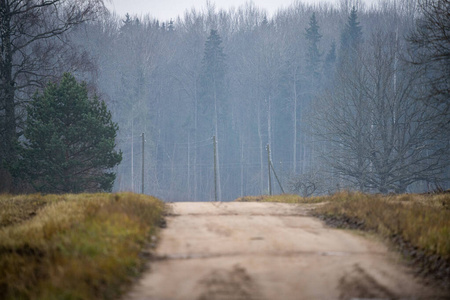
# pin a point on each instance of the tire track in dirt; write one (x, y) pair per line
(264, 251)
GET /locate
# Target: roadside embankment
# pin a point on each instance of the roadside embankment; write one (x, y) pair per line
(85, 246)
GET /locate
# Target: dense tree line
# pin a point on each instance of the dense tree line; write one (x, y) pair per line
(330, 89)
(337, 92)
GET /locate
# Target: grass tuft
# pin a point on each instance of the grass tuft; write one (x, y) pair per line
(83, 246)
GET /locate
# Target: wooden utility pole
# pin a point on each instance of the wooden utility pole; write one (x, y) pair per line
(132, 157)
(215, 168)
(268, 165)
(143, 157)
(189, 165)
(278, 180)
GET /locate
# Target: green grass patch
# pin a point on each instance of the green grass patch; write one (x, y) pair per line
(83, 246)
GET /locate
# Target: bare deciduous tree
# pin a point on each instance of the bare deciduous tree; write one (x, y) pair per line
(378, 137)
(431, 47)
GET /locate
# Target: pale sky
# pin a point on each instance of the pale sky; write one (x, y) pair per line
(167, 9)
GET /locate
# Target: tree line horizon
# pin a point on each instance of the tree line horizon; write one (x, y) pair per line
(344, 96)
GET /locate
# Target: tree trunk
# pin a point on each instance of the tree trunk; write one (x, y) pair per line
(7, 92)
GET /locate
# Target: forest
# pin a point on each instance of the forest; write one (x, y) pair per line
(334, 97)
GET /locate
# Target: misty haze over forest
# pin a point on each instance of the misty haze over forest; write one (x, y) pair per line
(330, 90)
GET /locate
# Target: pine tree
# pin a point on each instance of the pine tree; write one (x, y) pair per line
(33, 46)
(70, 140)
(313, 54)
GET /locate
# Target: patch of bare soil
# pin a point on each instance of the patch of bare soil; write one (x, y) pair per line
(359, 284)
(239, 250)
(233, 284)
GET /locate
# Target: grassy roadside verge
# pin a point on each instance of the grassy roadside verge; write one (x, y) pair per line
(418, 226)
(83, 246)
(285, 198)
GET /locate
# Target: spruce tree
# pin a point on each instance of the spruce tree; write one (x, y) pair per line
(313, 55)
(212, 83)
(70, 140)
(214, 59)
(351, 37)
(212, 78)
(171, 26)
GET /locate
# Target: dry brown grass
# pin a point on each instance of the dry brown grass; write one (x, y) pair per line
(420, 220)
(73, 246)
(423, 220)
(284, 198)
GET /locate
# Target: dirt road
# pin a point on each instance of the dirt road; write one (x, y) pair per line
(268, 251)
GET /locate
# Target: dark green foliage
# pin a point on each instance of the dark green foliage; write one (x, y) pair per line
(35, 46)
(70, 140)
(313, 54)
(212, 81)
(213, 63)
(351, 37)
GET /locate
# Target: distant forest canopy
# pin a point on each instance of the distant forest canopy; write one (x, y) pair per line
(255, 81)
(331, 89)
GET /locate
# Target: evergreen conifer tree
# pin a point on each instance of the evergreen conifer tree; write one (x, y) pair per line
(171, 26)
(70, 141)
(351, 37)
(313, 55)
(212, 81)
(212, 78)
